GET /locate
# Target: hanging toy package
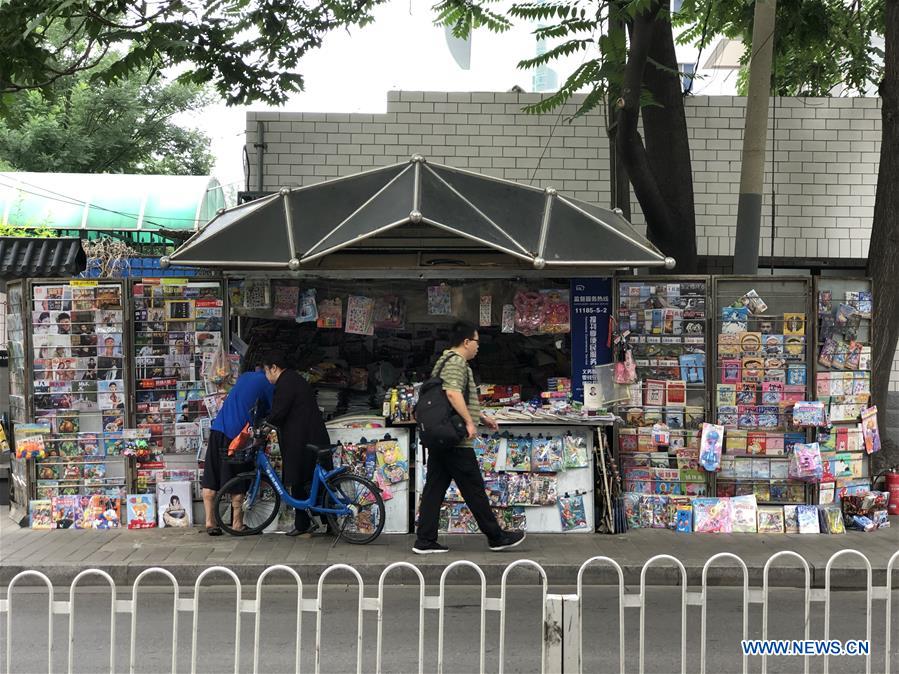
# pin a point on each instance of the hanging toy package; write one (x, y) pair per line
(625, 367)
(572, 512)
(805, 462)
(530, 311)
(710, 447)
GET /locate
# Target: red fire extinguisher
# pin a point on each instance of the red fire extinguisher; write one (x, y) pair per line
(892, 478)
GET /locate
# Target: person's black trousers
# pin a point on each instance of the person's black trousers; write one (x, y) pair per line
(301, 520)
(461, 465)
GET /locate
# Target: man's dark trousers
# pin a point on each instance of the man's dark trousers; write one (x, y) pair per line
(461, 465)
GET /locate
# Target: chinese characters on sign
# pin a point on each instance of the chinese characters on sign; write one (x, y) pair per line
(590, 305)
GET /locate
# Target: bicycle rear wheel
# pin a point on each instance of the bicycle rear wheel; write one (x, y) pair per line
(255, 515)
(367, 515)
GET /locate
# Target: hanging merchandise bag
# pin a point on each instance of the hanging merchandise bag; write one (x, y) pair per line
(625, 368)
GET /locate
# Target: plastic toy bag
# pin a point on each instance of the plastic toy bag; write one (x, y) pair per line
(805, 462)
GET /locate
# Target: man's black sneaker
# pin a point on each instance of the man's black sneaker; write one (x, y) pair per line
(509, 539)
(428, 548)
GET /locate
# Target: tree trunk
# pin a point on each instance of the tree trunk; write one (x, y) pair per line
(660, 171)
(619, 185)
(883, 254)
(667, 143)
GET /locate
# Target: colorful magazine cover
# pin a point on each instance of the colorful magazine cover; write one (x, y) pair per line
(791, 519)
(103, 512)
(870, 430)
(518, 454)
(174, 505)
(141, 511)
(712, 515)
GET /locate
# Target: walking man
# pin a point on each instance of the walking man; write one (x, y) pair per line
(459, 463)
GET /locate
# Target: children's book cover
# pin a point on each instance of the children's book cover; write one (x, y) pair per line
(727, 394)
(40, 514)
(808, 519)
(692, 367)
(770, 520)
(734, 319)
(791, 519)
(743, 514)
(103, 512)
(66, 511)
(141, 511)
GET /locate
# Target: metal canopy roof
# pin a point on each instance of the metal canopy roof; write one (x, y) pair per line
(299, 226)
(112, 202)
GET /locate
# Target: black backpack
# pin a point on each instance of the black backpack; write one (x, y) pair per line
(439, 425)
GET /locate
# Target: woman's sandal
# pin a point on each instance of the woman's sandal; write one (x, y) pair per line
(214, 531)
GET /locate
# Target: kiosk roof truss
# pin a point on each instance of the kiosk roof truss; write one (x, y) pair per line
(404, 206)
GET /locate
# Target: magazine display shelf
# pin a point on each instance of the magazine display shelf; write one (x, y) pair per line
(761, 367)
(842, 361)
(177, 326)
(665, 320)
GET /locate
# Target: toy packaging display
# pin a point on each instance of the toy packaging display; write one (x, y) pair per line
(870, 505)
(805, 462)
(522, 473)
(831, 519)
(710, 447)
(571, 512)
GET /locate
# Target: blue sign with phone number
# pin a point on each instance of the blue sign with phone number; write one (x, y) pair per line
(591, 302)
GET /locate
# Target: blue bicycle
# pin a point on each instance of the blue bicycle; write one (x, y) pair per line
(249, 502)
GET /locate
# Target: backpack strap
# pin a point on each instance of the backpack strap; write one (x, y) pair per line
(466, 388)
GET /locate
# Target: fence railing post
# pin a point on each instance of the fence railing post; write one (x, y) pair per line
(572, 657)
(553, 631)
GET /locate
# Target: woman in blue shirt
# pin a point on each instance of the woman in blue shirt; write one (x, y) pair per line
(249, 389)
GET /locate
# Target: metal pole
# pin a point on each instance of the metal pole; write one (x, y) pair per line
(752, 171)
(260, 146)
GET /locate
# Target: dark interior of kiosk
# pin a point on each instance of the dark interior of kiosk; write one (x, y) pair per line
(406, 354)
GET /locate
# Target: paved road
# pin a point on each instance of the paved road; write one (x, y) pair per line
(400, 624)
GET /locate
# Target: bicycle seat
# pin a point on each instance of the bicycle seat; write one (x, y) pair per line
(321, 451)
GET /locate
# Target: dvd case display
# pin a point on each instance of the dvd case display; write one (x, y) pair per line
(761, 371)
(662, 324)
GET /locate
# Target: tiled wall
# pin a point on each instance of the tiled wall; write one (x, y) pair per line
(822, 158)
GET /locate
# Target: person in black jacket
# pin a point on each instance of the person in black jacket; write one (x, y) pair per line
(299, 422)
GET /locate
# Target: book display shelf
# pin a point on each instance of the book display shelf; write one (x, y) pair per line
(664, 322)
(842, 352)
(763, 339)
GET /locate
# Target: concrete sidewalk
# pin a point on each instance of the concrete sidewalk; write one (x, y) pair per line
(124, 554)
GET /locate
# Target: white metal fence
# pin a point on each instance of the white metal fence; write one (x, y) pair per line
(562, 615)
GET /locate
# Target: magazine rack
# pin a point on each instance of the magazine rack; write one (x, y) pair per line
(761, 365)
(842, 366)
(667, 318)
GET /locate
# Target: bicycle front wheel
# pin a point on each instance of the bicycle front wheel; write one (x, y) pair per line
(242, 516)
(367, 515)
